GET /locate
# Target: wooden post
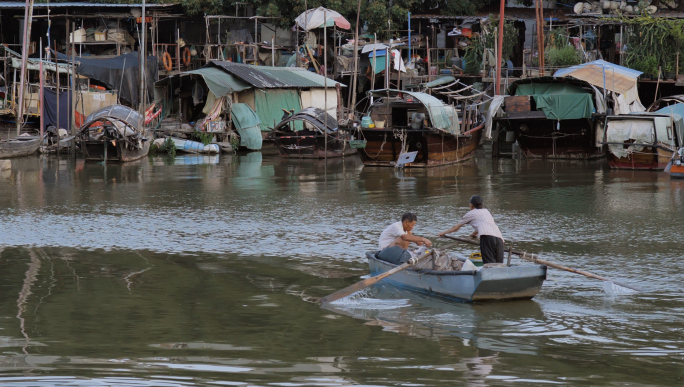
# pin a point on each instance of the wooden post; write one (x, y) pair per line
(40, 93)
(72, 87)
(325, 82)
(499, 46)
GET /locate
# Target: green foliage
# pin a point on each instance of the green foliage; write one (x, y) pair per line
(487, 40)
(653, 42)
(563, 56)
(169, 147)
(203, 137)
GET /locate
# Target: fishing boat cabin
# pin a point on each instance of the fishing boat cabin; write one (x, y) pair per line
(413, 129)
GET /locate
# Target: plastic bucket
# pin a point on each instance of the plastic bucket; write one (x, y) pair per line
(380, 124)
(366, 121)
(476, 258)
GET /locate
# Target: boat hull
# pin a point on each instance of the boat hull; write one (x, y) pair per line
(650, 158)
(487, 284)
(543, 138)
(434, 148)
(677, 171)
(117, 152)
(18, 148)
(307, 144)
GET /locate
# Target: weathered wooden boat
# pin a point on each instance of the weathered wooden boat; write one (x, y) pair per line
(18, 146)
(417, 130)
(114, 133)
(646, 140)
(304, 135)
(554, 117)
(486, 284)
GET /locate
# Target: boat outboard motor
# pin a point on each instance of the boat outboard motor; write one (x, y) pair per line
(417, 121)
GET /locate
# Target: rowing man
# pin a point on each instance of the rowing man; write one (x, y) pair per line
(395, 239)
(491, 240)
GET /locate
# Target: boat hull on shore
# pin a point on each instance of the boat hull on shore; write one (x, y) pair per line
(486, 284)
(18, 147)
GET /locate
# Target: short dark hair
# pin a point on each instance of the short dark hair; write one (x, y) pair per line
(476, 201)
(411, 217)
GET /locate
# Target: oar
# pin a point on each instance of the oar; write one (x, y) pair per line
(534, 258)
(372, 280)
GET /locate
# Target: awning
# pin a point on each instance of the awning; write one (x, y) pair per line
(603, 74)
(220, 82)
(247, 125)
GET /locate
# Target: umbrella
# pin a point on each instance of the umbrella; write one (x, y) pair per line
(316, 18)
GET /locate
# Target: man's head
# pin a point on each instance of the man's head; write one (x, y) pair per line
(476, 201)
(408, 220)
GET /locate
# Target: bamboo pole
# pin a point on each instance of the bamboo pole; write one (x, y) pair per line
(28, 16)
(352, 105)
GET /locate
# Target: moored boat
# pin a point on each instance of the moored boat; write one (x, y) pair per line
(18, 146)
(416, 130)
(646, 140)
(114, 133)
(676, 169)
(486, 284)
(304, 135)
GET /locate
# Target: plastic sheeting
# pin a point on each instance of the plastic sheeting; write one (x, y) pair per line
(316, 98)
(220, 82)
(619, 131)
(559, 101)
(50, 109)
(269, 104)
(247, 125)
(119, 73)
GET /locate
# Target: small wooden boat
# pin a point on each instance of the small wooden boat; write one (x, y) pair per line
(18, 146)
(676, 166)
(114, 133)
(645, 140)
(416, 130)
(486, 284)
(302, 135)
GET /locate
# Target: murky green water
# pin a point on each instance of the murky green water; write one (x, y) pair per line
(204, 271)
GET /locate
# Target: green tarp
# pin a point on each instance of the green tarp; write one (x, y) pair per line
(559, 101)
(269, 104)
(247, 125)
(220, 82)
(380, 67)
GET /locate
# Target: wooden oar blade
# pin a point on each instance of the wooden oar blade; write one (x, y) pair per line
(372, 280)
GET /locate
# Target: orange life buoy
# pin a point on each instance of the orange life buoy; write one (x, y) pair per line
(186, 56)
(168, 64)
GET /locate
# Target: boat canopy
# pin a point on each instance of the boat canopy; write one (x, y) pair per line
(116, 112)
(611, 77)
(557, 98)
(665, 125)
(442, 116)
(314, 116)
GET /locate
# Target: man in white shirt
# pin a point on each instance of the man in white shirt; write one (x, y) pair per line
(401, 234)
(491, 240)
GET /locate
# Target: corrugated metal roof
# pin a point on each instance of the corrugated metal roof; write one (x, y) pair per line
(21, 4)
(265, 77)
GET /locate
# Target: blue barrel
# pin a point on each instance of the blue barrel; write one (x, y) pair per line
(193, 146)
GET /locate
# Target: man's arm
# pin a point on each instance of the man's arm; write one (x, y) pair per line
(416, 239)
(449, 231)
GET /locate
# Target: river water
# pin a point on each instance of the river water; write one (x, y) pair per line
(206, 270)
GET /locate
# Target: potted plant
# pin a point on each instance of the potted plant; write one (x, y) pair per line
(669, 70)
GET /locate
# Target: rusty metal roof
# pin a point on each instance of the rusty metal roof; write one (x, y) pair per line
(266, 77)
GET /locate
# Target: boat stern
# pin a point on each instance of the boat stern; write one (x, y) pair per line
(514, 282)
